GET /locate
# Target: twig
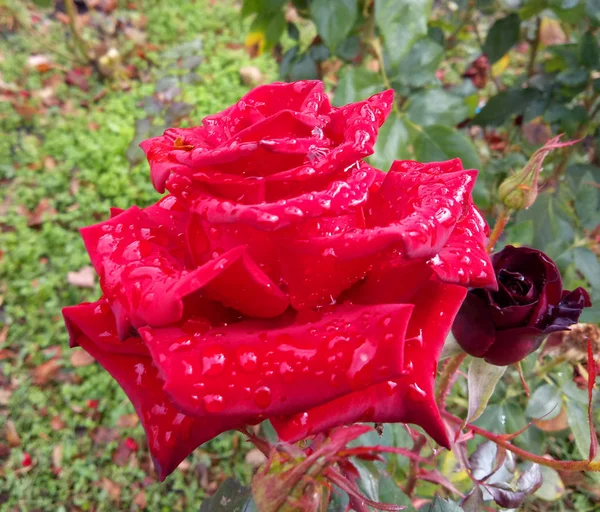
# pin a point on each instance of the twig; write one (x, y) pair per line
(413, 470)
(79, 41)
(498, 228)
(562, 465)
(534, 48)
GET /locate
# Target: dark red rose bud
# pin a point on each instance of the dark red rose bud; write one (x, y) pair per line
(507, 325)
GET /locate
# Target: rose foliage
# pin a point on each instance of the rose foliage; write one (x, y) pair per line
(282, 277)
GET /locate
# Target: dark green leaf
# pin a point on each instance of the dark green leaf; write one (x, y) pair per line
(545, 403)
(587, 263)
(486, 6)
(502, 37)
(287, 61)
(586, 202)
(577, 416)
(356, 84)
(400, 23)
(436, 106)
(573, 77)
(304, 68)
(505, 104)
(474, 500)
(334, 20)
(589, 53)
(441, 505)
(42, 3)
(532, 8)
(348, 49)
(592, 9)
(419, 66)
(437, 34)
(293, 31)
(390, 493)
(436, 143)
(230, 497)
(319, 52)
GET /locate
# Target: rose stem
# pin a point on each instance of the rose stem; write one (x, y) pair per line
(560, 465)
(498, 228)
(449, 370)
(411, 481)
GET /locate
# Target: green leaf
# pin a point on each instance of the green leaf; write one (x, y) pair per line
(577, 416)
(390, 493)
(42, 3)
(441, 505)
(505, 104)
(400, 23)
(592, 9)
(418, 67)
(482, 380)
(552, 487)
(573, 77)
(437, 143)
(586, 202)
(392, 143)
(436, 106)
(334, 20)
(356, 84)
(587, 263)
(589, 53)
(545, 403)
(230, 497)
(502, 37)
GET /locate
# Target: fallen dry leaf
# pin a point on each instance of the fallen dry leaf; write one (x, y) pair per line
(3, 333)
(112, 488)
(251, 76)
(559, 422)
(43, 209)
(11, 434)
(46, 371)
(255, 458)
(128, 420)
(40, 63)
(5, 395)
(82, 278)
(80, 357)
(140, 499)
(56, 423)
(57, 453)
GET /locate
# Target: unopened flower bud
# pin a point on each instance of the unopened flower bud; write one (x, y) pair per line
(519, 191)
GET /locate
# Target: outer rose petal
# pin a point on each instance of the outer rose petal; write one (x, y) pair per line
(464, 259)
(473, 327)
(250, 369)
(408, 399)
(513, 345)
(171, 435)
(145, 280)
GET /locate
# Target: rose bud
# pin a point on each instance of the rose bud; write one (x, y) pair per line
(505, 326)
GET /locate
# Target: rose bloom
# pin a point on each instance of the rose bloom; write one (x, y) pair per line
(281, 277)
(507, 325)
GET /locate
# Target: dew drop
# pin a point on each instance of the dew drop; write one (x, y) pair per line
(213, 362)
(262, 397)
(247, 360)
(416, 393)
(213, 403)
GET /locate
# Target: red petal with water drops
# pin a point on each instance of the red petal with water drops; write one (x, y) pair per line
(171, 435)
(144, 278)
(464, 259)
(408, 399)
(252, 369)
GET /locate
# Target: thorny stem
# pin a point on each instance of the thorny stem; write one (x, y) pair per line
(448, 372)
(413, 470)
(498, 228)
(79, 42)
(560, 465)
(534, 48)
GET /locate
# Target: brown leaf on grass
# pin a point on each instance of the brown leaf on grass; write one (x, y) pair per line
(140, 499)
(7, 354)
(41, 63)
(57, 453)
(80, 357)
(255, 458)
(103, 435)
(11, 434)
(4, 450)
(5, 395)
(56, 423)
(112, 488)
(251, 76)
(82, 278)
(536, 132)
(128, 420)
(46, 371)
(76, 78)
(3, 332)
(49, 163)
(42, 210)
(121, 455)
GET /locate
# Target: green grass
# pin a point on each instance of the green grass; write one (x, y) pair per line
(88, 145)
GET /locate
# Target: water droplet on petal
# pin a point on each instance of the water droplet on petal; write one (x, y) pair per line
(262, 397)
(213, 403)
(213, 361)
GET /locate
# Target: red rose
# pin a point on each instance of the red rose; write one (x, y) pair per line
(282, 277)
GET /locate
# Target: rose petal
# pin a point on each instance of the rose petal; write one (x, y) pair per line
(171, 435)
(473, 327)
(513, 345)
(463, 259)
(408, 399)
(250, 369)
